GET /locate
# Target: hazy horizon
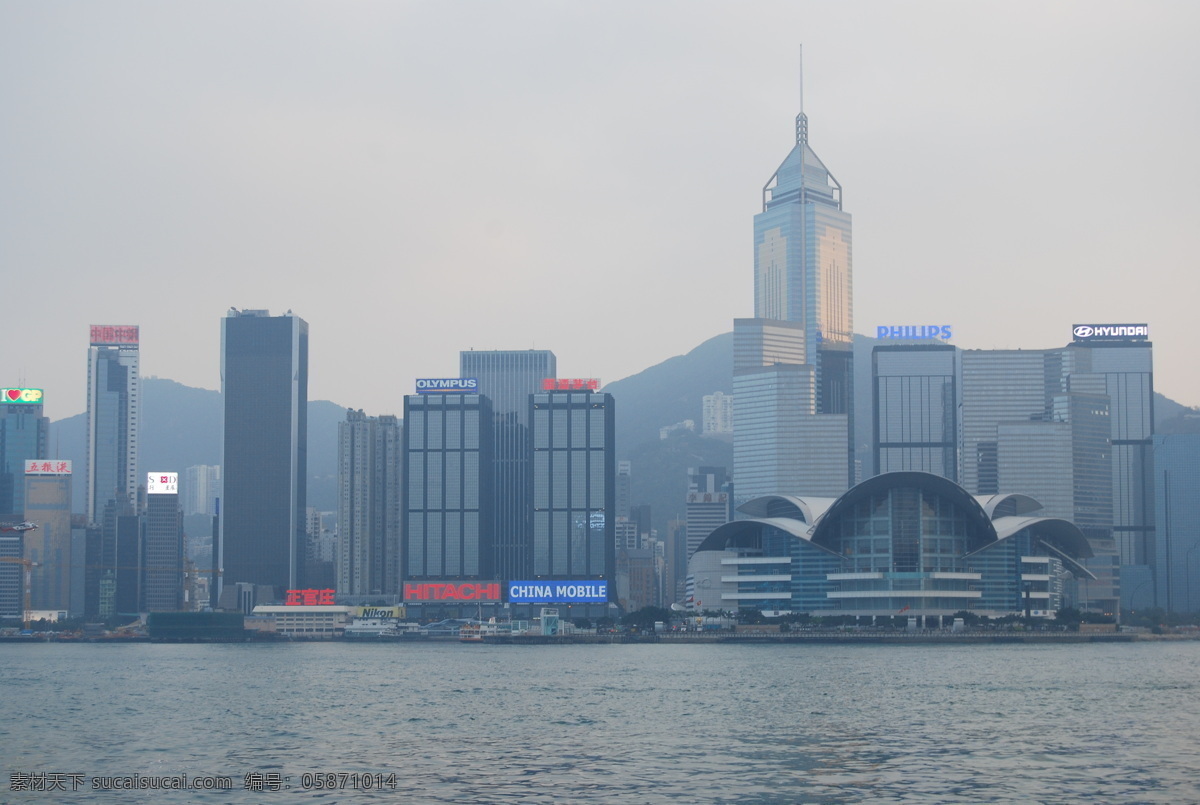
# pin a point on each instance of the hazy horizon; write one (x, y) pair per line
(418, 179)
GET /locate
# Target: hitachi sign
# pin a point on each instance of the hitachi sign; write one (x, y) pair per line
(1091, 332)
(452, 591)
(907, 332)
(447, 385)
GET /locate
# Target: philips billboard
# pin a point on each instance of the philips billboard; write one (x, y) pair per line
(913, 332)
(447, 385)
(585, 591)
(1110, 332)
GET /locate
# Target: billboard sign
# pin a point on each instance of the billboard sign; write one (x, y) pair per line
(447, 385)
(585, 591)
(1110, 332)
(162, 483)
(913, 332)
(309, 598)
(570, 384)
(21, 396)
(381, 613)
(114, 335)
(451, 590)
(40, 466)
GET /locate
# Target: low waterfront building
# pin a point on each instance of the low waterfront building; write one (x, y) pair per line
(319, 622)
(907, 543)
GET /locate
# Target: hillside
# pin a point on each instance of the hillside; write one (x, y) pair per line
(181, 427)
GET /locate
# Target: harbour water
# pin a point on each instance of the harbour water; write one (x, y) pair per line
(747, 724)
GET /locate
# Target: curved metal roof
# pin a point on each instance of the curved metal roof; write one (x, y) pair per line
(768, 506)
(745, 533)
(1021, 504)
(1061, 533)
(977, 516)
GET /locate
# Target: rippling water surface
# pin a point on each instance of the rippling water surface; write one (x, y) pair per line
(613, 724)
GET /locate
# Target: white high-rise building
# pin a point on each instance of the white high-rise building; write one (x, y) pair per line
(201, 488)
(717, 413)
(369, 489)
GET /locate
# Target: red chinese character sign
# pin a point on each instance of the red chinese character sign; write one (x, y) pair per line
(44, 467)
(114, 334)
(570, 384)
(309, 598)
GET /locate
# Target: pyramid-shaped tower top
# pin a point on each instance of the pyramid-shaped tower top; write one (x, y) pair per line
(802, 177)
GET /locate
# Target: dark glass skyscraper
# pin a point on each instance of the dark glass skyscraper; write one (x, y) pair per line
(113, 407)
(23, 430)
(162, 544)
(507, 378)
(264, 382)
(574, 489)
(916, 408)
(448, 476)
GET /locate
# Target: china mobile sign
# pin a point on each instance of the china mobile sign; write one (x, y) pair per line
(452, 591)
(1110, 332)
(587, 591)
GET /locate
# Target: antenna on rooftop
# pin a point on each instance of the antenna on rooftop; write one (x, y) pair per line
(802, 119)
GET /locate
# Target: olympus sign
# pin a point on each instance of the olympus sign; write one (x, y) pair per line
(910, 332)
(1114, 332)
(447, 385)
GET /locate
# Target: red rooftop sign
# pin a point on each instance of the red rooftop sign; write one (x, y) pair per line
(570, 384)
(309, 598)
(114, 335)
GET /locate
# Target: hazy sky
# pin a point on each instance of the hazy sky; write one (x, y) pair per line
(419, 178)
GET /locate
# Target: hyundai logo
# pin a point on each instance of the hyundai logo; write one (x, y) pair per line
(1083, 331)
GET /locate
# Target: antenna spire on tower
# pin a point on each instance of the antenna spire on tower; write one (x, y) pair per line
(802, 119)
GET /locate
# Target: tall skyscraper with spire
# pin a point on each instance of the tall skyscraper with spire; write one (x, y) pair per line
(793, 372)
(802, 265)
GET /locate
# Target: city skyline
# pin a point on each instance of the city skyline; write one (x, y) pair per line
(257, 179)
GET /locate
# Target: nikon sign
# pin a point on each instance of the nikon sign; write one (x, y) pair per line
(1110, 332)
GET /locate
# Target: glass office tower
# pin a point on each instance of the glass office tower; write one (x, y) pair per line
(507, 378)
(264, 383)
(915, 387)
(113, 418)
(23, 433)
(1177, 520)
(162, 544)
(574, 489)
(1122, 369)
(802, 266)
(447, 500)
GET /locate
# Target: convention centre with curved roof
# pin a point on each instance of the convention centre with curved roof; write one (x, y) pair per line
(901, 543)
